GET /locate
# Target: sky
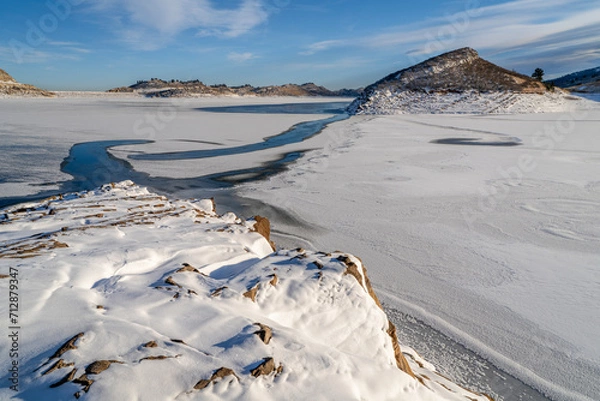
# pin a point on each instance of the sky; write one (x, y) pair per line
(101, 44)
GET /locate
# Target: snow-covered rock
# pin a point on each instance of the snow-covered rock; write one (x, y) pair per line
(121, 294)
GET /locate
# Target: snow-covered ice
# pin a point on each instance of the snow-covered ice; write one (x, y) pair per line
(38, 133)
(496, 246)
(402, 101)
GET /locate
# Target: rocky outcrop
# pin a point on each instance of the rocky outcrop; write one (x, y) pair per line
(6, 78)
(174, 88)
(456, 82)
(176, 318)
(10, 87)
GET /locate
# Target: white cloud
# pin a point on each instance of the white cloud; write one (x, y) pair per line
(28, 55)
(240, 57)
(323, 46)
(495, 29)
(151, 24)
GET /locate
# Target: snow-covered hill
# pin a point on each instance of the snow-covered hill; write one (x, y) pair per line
(459, 82)
(121, 294)
(586, 81)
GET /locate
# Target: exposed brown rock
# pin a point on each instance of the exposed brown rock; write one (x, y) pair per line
(217, 292)
(401, 361)
(99, 366)
(150, 344)
(263, 227)
(187, 268)
(58, 365)
(170, 281)
(352, 269)
(251, 293)
(4, 276)
(274, 280)
(92, 216)
(69, 345)
(265, 368)
(265, 333)
(178, 341)
(65, 379)
(85, 381)
(158, 357)
(218, 374)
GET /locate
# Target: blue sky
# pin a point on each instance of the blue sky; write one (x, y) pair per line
(100, 44)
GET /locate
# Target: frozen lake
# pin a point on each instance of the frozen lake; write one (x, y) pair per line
(29, 158)
(496, 247)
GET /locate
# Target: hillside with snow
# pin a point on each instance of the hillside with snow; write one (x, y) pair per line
(122, 294)
(459, 82)
(586, 81)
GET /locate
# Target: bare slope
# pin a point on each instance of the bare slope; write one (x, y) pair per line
(456, 82)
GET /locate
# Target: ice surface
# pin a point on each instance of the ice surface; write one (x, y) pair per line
(496, 246)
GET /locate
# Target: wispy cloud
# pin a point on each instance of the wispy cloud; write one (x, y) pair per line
(150, 24)
(240, 57)
(493, 29)
(323, 46)
(34, 56)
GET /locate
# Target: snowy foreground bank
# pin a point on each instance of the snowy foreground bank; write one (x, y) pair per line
(121, 294)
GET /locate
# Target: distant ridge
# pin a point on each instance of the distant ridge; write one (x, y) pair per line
(10, 87)
(586, 81)
(457, 82)
(160, 88)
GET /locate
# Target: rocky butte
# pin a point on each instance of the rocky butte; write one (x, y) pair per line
(459, 82)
